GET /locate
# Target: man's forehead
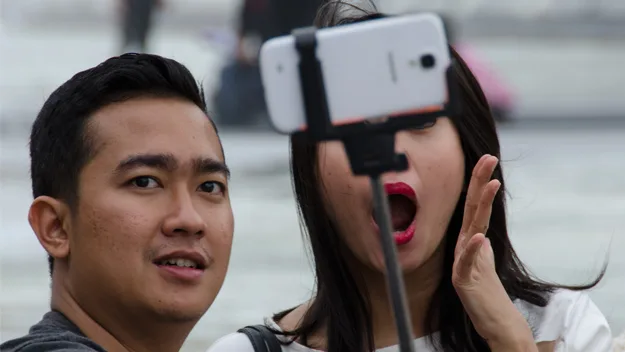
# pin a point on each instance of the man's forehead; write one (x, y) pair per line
(174, 127)
(152, 114)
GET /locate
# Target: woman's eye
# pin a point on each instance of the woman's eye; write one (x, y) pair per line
(144, 182)
(212, 187)
(423, 126)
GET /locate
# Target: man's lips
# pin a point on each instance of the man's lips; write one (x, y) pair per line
(183, 258)
(182, 266)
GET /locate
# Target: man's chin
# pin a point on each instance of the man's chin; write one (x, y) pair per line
(178, 306)
(179, 313)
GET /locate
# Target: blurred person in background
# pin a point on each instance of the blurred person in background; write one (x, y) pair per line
(240, 100)
(495, 88)
(467, 290)
(131, 204)
(136, 23)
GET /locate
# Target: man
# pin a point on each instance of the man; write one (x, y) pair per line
(132, 205)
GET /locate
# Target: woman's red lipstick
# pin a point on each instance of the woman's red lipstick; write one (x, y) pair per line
(401, 188)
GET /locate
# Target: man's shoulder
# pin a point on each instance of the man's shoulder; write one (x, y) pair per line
(54, 333)
(47, 343)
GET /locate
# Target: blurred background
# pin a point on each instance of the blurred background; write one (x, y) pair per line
(552, 70)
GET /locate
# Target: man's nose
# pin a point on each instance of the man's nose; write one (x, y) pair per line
(183, 217)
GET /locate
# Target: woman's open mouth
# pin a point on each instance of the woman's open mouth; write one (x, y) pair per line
(403, 209)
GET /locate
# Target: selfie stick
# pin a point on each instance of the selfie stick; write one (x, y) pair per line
(370, 148)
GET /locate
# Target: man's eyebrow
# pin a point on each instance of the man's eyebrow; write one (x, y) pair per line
(210, 166)
(165, 162)
(168, 163)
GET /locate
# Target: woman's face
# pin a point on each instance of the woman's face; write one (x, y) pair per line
(425, 199)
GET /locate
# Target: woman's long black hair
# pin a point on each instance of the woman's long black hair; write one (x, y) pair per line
(339, 304)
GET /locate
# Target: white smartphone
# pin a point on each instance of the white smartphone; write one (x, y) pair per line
(371, 69)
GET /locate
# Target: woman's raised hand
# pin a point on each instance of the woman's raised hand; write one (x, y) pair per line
(474, 277)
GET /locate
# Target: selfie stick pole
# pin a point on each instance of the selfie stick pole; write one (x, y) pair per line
(370, 148)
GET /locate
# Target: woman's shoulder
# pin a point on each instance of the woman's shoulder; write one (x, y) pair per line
(239, 342)
(571, 319)
(232, 342)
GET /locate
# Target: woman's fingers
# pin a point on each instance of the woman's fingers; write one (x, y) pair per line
(470, 204)
(480, 178)
(473, 193)
(482, 215)
(467, 259)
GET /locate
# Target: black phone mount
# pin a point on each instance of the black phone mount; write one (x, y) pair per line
(370, 147)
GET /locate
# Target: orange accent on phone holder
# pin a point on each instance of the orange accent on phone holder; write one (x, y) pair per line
(370, 147)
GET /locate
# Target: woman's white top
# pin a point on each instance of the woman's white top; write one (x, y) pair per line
(619, 343)
(570, 319)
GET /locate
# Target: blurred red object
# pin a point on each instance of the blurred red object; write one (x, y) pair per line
(499, 94)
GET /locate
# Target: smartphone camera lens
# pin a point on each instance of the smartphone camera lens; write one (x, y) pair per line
(428, 61)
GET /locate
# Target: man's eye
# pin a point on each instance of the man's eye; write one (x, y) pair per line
(144, 182)
(212, 187)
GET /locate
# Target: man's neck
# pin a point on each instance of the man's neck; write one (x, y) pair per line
(117, 333)
(420, 288)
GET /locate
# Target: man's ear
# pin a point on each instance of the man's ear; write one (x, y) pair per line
(49, 219)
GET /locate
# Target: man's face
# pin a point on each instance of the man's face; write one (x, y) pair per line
(153, 228)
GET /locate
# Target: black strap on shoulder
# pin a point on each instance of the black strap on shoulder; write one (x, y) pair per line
(263, 340)
(257, 340)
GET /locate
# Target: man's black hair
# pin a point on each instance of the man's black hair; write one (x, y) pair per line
(60, 144)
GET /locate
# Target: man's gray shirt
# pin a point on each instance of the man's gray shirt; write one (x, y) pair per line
(54, 333)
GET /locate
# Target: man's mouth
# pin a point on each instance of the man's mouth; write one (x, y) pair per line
(182, 266)
(181, 263)
(183, 259)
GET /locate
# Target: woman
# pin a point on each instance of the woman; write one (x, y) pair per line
(466, 291)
